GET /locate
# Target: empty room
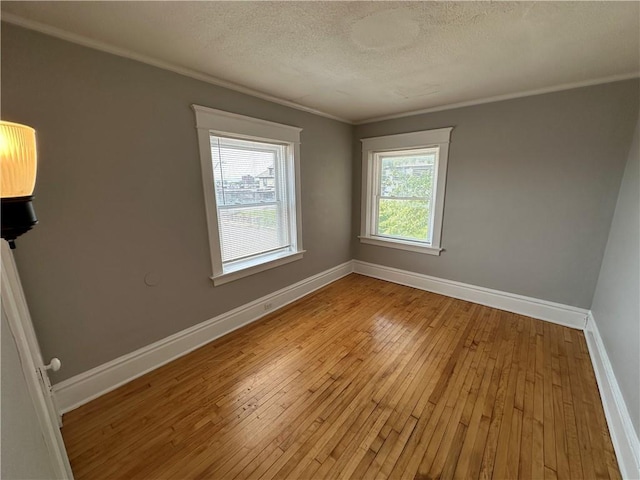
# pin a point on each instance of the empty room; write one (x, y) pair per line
(320, 240)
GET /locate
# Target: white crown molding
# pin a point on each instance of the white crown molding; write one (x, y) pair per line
(500, 98)
(565, 315)
(625, 440)
(228, 123)
(187, 72)
(80, 389)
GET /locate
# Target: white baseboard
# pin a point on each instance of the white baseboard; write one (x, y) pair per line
(83, 388)
(532, 307)
(80, 389)
(623, 435)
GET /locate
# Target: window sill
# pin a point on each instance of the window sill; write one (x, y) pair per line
(401, 245)
(245, 269)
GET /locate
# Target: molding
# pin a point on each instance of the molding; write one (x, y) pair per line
(243, 126)
(623, 435)
(245, 271)
(625, 440)
(208, 121)
(408, 245)
(80, 389)
(419, 139)
(187, 72)
(500, 98)
(15, 307)
(436, 140)
(565, 315)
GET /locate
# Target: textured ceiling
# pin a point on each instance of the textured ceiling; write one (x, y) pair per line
(358, 60)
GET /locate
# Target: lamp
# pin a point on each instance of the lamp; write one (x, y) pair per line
(18, 164)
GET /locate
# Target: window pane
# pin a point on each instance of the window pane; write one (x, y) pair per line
(251, 197)
(244, 171)
(406, 175)
(246, 231)
(404, 218)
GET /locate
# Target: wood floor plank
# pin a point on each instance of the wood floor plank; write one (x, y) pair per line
(410, 458)
(453, 453)
(379, 457)
(562, 452)
(397, 448)
(362, 379)
(549, 420)
(582, 417)
(593, 406)
(514, 452)
(473, 451)
(463, 404)
(491, 447)
(456, 378)
(505, 437)
(525, 467)
(573, 448)
(537, 457)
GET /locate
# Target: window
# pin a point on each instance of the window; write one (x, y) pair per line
(404, 178)
(251, 188)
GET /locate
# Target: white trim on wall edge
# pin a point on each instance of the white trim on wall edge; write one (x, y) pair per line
(501, 98)
(80, 389)
(625, 440)
(20, 329)
(565, 315)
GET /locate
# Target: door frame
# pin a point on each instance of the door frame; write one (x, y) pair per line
(17, 312)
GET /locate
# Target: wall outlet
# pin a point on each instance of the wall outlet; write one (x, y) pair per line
(268, 306)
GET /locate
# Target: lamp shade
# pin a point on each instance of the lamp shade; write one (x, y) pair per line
(18, 159)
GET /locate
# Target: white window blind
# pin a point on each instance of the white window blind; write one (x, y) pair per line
(251, 197)
(251, 180)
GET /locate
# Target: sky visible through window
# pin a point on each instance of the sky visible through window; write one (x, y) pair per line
(251, 216)
(237, 163)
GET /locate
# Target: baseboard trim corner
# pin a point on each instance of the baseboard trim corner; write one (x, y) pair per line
(80, 389)
(625, 440)
(565, 315)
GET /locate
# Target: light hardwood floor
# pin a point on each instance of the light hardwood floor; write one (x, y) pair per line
(363, 379)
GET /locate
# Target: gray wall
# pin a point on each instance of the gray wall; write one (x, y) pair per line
(616, 303)
(531, 187)
(24, 453)
(119, 194)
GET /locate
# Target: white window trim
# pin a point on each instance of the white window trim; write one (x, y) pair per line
(219, 122)
(404, 141)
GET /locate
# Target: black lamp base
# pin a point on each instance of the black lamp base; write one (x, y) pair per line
(18, 217)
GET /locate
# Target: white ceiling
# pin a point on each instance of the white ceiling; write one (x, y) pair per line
(361, 60)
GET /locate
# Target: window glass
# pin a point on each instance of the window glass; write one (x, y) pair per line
(251, 197)
(403, 187)
(405, 194)
(250, 174)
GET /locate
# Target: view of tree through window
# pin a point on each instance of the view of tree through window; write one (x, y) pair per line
(405, 194)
